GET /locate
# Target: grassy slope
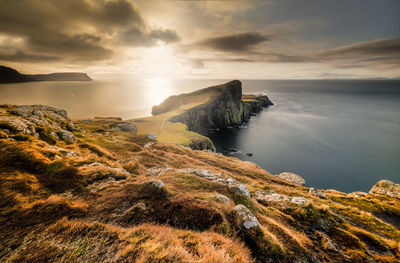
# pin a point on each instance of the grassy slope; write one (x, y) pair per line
(169, 132)
(48, 212)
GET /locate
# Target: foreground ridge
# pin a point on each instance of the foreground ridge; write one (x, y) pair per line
(105, 189)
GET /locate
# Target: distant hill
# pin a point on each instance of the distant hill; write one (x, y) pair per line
(10, 75)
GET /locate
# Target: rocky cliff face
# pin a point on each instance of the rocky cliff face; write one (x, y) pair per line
(225, 109)
(10, 75)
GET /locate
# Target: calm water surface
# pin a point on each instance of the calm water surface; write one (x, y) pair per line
(336, 134)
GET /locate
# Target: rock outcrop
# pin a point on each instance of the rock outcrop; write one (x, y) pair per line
(48, 123)
(10, 75)
(234, 185)
(386, 187)
(293, 178)
(271, 196)
(245, 217)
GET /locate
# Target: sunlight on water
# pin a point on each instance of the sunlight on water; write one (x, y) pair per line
(157, 90)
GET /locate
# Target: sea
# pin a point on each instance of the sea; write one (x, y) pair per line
(336, 134)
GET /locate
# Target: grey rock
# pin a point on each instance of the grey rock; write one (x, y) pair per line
(154, 183)
(67, 136)
(17, 125)
(241, 189)
(152, 137)
(298, 200)
(291, 177)
(386, 187)
(246, 218)
(125, 126)
(221, 198)
(317, 192)
(157, 170)
(358, 194)
(267, 196)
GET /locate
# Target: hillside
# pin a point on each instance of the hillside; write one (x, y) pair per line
(104, 190)
(10, 75)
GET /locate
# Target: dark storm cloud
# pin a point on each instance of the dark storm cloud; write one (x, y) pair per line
(233, 43)
(377, 53)
(83, 30)
(20, 56)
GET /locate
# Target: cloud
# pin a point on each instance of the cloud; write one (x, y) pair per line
(76, 30)
(382, 53)
(235, 43)
(20, 56)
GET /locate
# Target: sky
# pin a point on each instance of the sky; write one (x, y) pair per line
(246, 39)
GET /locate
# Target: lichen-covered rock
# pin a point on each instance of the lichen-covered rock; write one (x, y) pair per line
(240, 189)
(270, 196)
(157, 170)
(358, 194)
(293, 178)
(386, 187)
(298, 200)
(125, 126)
(151, 137)
(221, 198)
(317, 192)
(232, 184)
(245, 217)
(158, 184)
(17, 125)
(67, 136)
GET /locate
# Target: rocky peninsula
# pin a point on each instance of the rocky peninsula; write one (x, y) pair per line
(112, 190)
(10, 75)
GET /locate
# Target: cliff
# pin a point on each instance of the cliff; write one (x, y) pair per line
(223, 107)
(10, 75)
(104, 190)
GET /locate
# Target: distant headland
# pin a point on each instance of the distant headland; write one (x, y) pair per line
(10, 75)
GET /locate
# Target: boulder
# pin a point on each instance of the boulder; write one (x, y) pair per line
(157, 184)
(245, 217)
(125, 126)
(293, 178)
(221, 198)
(233, 184)
(386, 187)
(240, 189)
(67, 136)
(151, 137)
(157, 170)
(317, 192)
(270, 196)
(358, 194)
(17, 125)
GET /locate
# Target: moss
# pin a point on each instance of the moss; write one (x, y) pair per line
(45, 134)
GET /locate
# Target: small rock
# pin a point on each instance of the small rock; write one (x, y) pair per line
(246, 218)
(293, 178)
(157, 170)
(298, 200)
(148, 145)
(67, 136)
(221, 198)
(358, 194)
(240, 188)
(126, 126)
(316, 192)
(154, 183)
(54, 135)
(151, 137)
(267, 196)
(386, 187)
